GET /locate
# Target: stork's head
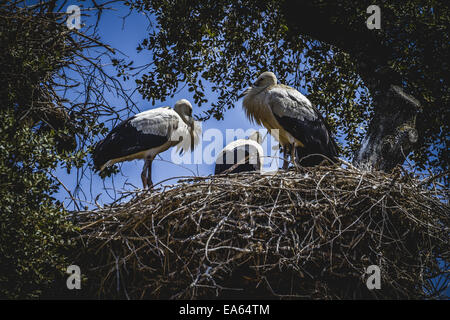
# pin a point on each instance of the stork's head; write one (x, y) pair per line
(265, 79)
(184, 110)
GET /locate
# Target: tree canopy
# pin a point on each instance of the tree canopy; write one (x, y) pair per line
(52, 97)
(318, 47)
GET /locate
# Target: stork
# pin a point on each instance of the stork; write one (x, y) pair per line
(147, 134)
(241, 155)
(302, 132)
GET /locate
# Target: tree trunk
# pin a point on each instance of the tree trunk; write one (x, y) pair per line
(391, 133)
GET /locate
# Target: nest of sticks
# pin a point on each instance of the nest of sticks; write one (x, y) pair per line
(303, 233)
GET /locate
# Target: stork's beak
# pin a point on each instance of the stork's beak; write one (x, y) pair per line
(243, 94)
(191, 131)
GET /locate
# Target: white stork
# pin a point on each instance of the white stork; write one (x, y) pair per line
(241, 155)
(147, 134)
(302, 132)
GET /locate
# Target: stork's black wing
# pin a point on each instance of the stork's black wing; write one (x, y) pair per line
(295, 113)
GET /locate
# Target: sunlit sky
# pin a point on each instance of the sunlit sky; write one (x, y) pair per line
(125, 37)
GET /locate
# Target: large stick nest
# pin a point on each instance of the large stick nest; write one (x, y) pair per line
(304, 233)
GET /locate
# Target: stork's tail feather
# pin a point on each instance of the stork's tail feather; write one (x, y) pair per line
(308, 157)
(313, 158)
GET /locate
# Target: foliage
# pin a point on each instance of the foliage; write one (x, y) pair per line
(34, 231)
(44, 126)
(226, 44)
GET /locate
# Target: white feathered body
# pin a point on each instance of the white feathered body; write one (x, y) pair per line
(240, 156)
(299, 123)
(254, 158)
(260, 105)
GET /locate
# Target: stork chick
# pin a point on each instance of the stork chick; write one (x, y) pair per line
(241, 155)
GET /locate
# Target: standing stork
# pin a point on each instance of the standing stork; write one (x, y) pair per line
(241, 155)
(147, 134)
(302, 132)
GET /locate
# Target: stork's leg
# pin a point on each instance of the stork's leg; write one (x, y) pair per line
(293, 155)
(144, 173)
(149, 172)
(285, 156)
